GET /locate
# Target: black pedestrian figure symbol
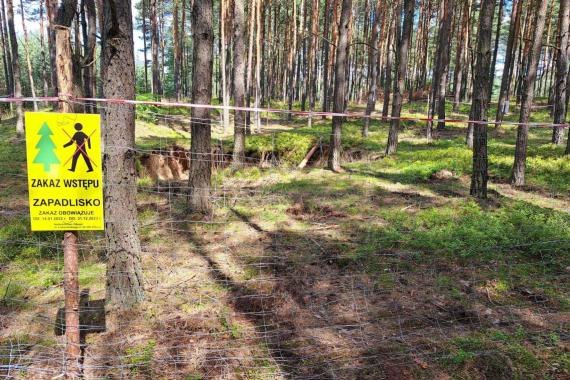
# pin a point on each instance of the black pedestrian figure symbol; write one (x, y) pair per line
(80, 139)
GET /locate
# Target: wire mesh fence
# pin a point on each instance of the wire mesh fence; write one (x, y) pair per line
(308, 274)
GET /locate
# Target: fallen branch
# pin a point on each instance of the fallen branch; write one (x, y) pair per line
(308, 157)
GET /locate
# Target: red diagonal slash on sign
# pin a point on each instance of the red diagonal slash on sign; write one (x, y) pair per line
(79, 148)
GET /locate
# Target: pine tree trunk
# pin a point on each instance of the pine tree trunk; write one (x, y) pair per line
(561, 72)
(496, 48)
(27, 52)
(239, 83)
(414, 58)
(547, 53)
(144, 10)
(259, 57)
(340, 85)
(312, 71)
(4, 55)
(373, 68)
(223, 64)
(292, 61)
(76, 56)
(7, 54)
(526, 48)
(90, 42)
(388, 69)
(161, 33)
(332, 50)
(402, 68)
(461, 55)
(124, 286)
(508, 68)
(176, 47)
(303, 65)
(67, 64)
(15, 67)
(480, 102)
(200, 150)
(51, 8)
(326, 56)
(439, 82)
(182, 47)
(100, 20)
(156, 83)
(518, 175)
(45, 79)
(249, 75)
(423, 53)
(443, 53)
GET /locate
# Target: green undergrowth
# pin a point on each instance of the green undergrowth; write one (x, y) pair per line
(516, 354)
(465, 229)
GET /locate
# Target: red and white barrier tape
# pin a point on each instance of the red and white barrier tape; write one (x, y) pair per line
(276, 110)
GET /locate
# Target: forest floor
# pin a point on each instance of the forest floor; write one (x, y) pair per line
(387, 270)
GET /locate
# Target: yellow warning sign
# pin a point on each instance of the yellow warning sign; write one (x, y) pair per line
(64, 171)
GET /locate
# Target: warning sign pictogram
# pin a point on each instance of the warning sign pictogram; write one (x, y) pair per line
(64, 171)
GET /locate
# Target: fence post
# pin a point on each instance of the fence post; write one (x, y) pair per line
(70, 253)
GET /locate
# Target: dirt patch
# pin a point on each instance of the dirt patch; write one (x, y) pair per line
(302, 211)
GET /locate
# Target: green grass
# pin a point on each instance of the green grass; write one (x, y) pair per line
(139, 358)
(518, 355)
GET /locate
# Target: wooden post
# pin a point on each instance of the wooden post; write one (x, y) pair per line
(64, 67)
(71, 288)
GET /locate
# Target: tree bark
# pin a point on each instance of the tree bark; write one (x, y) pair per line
(182, 47)
(258, 59)
(176, 47)
(200, 150)
(15, 67)
(223, 65)
(479, 107)
(27, 52)
(388, 69)
(90, 42)
(162, 41)
(51, 10)
(332, 50)
(402, 68)
(124, 287)
(373, 68)
(156, 82)
(303, 62)
(144, 11)
(340, 85)
(71, 286)
(561, 72)
(64, 64)
(7, 55)
(461, 54)
(518, 174)
(249, 75)
(291, 62)
(496, 48)
(423, 52)
(45, 79)
(312, 70)
(239, 83)
(508, 68)
(443, 52)
(326, 56)
(67, 66)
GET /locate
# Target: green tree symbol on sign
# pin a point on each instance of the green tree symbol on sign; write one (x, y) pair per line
(46, 156)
